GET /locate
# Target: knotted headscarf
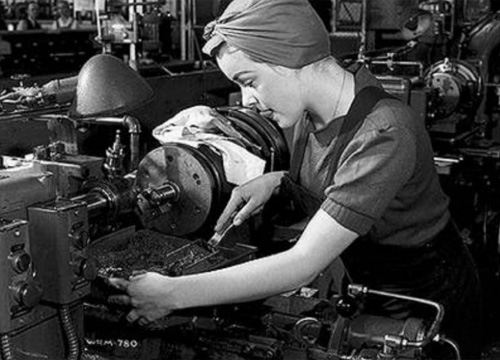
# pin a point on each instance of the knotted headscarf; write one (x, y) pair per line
(280, 32)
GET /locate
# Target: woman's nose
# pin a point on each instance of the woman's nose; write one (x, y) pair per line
(247, 98)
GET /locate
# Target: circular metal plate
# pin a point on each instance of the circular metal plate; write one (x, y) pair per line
(186, 168)
(458, 85)
(449, 92)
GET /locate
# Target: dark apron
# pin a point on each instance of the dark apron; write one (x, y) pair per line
(334, 277)
(441, 270)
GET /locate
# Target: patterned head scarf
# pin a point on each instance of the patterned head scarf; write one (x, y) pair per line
(280, 32)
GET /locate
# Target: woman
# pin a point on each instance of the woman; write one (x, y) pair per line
(65, 20)
(31, 20)
(362, 169)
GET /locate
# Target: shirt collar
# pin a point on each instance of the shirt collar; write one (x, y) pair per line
(362, 78)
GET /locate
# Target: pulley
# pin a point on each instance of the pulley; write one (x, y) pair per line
(265, 134)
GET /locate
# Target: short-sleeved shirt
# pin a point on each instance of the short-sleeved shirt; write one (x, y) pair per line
(386, 184)
(61, 23)
(28, 24)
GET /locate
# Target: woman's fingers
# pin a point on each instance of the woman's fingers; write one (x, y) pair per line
(118, 283)
(120, 300)
(250, 208)
(133, 316)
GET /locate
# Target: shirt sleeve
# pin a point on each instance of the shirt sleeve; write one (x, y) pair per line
(376, 164)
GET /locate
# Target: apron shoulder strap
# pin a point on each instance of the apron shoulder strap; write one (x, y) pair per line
(363, 103)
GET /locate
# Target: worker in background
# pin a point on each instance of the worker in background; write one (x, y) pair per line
(65, 19)
(30, 22)
(362, 170)
(3, 16)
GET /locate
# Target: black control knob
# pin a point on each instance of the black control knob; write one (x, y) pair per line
(86, 268)
(27, 293)
(346, 306)
(80, 238)
(83, 238)
(20, 262)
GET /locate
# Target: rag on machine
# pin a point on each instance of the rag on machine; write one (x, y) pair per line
(240, 165)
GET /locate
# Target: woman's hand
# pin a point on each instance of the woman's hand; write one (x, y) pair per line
(148, 295)
(249, 199)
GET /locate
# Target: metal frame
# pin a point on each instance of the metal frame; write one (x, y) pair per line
(362, 30)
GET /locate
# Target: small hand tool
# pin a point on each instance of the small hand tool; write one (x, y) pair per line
(217, 237)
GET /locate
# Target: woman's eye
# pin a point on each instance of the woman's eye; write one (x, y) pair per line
(248, 83)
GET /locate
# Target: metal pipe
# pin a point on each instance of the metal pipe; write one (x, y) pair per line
(190, 28)
(34, 114)
(364, 21)
(134, 129)
(183, 30)
(98, 19)
(355, 290)
(143, 3)
(97, 203)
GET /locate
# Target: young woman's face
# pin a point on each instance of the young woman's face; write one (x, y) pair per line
(33, 10)
(273, 90)
(63, 9)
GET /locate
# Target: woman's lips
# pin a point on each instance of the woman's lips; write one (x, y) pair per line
(269, 114)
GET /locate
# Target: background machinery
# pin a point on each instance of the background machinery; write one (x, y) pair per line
(70, 218)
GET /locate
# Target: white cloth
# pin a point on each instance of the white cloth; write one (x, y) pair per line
(239, 164)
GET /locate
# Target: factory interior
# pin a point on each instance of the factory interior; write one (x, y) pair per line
(88, 193)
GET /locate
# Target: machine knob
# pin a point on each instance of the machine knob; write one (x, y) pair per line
(87, 268)
(81, 239)
(346, 306)
(20, 262)
(27, 294)
(307, 330)
(79, 236)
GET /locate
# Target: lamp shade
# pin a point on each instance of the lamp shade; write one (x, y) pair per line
(108, 87)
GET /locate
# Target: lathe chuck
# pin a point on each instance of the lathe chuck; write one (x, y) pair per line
(185, 184)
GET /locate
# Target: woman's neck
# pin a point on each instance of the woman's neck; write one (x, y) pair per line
(330, 93)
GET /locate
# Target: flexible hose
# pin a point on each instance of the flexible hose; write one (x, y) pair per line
(6, 350)
(70, 333)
